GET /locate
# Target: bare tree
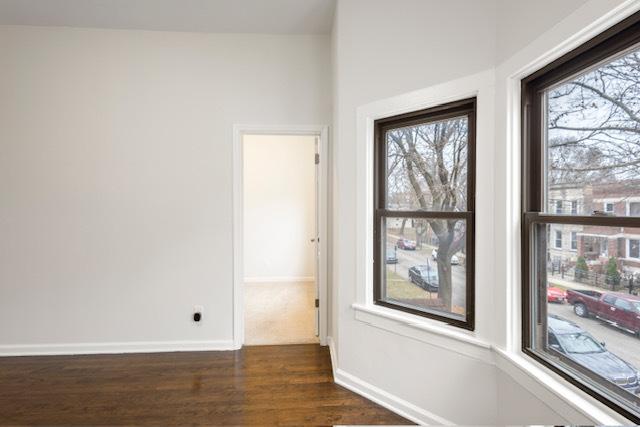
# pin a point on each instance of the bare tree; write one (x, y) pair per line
(594, 124)
(428, 166)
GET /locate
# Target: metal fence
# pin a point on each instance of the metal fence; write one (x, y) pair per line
(622, 283)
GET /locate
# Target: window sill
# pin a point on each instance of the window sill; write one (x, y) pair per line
(426, 330)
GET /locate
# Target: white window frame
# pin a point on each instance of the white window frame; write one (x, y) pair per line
(555, 239)
(559, 209)
(613, 207)
(628, 204)
(628, 254)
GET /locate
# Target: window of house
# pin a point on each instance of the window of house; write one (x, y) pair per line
(608, 207)
(574, 207)
(558, 239)
(580, 121)
(558, 206)
(634, 248)
(424, 206)
(634, 208)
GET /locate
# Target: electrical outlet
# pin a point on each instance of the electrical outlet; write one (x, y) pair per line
(197, 313)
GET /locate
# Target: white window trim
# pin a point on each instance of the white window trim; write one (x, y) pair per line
(555, 239)
(572, 249)
(629, 257)
(481, 86)
(628, 204)
(613, 206)
(571, 207)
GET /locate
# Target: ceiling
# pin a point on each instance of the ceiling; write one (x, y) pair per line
(213, 16)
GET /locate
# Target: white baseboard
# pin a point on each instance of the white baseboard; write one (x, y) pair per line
(113, 348)
(393, 403)
(279, 279)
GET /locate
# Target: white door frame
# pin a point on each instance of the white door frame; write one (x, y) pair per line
(322, 132)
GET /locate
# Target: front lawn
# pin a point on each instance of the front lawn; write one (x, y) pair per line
(402, 290)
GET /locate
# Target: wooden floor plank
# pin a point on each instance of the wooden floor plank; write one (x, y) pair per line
(262, 385)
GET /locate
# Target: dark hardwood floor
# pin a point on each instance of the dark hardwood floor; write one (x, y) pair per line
(286, 385)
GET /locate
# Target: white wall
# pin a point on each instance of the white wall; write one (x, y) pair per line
(520, 22)
(279, 207)
(115, 177)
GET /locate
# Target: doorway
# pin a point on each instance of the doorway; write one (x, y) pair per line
(279, 235)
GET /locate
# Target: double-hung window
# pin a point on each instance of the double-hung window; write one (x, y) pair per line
(581, 129)
(558, 239)
(574, 207)
(424, 212)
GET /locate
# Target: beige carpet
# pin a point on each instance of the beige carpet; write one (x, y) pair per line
(279, 313)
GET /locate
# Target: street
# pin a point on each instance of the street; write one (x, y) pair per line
(422, 256)
(620, 343)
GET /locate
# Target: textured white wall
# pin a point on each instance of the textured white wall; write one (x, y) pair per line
(279, 207)
(519, 22)
(115, 175)
(386, 48)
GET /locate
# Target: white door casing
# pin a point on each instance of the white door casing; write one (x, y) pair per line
(321, 132)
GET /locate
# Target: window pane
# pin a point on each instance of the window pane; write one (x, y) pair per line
(634, 248)
(593, 139)
(427, 166)
(586, 313)
(425, 265)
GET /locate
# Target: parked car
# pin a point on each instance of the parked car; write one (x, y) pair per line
(573, 342)
(406, 244)
(454, 259)
(556, 295)
(392, 255)
(618, 309)
(425, 276)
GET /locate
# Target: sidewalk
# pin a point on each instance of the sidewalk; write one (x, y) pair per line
(558, 281)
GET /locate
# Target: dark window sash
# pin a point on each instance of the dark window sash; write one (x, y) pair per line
(463, 108)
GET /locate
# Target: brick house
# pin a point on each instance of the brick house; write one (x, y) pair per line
(598, 244)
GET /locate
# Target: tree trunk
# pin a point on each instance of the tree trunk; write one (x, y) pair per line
(445, 283)
(404, 222)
